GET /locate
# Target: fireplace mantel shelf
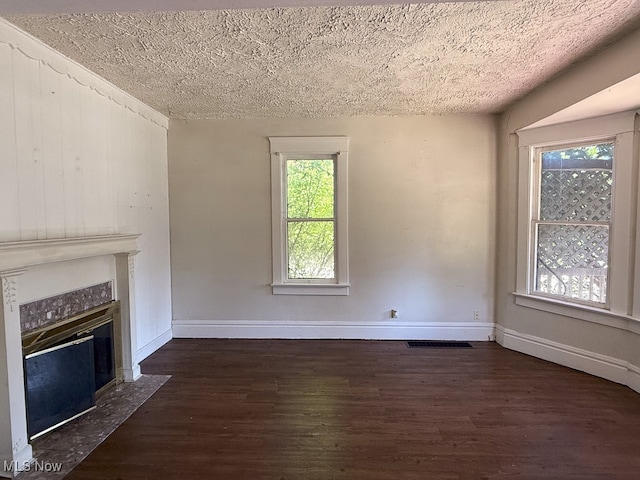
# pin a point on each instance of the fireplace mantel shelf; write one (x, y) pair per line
(26, 253)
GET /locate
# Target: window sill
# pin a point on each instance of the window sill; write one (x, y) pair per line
(335, 289)
(597, 315)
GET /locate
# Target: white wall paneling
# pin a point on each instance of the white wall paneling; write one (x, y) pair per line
(81, 158)
(9, 214)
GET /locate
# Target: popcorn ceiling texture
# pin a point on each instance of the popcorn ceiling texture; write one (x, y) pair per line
(474, 57)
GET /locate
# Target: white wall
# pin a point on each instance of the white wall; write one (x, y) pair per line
(607, 351)
(79, 158)
(421, 229)
(71, 275)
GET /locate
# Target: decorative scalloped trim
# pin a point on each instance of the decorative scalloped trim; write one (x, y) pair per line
(64, 66)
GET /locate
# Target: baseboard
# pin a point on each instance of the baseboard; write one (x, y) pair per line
(603, 366)
(471, 331)
(154, 345)
(634, 378)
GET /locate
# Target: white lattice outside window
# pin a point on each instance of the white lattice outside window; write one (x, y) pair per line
(572, 221)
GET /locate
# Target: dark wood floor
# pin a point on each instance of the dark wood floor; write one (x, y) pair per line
(284, 410)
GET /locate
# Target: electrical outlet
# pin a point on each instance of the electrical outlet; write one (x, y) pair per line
(476, 314)
(394, 313)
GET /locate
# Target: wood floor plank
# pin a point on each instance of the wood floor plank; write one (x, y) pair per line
(369, 410)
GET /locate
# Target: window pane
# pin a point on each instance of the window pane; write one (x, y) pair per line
(310, 188)
(572, 261)
(311, 250)
(576, 184)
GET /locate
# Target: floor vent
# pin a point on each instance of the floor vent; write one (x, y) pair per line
(437, 344)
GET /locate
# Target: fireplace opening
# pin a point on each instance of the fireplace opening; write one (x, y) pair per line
(66, 365)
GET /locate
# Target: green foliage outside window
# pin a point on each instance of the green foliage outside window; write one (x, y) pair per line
(310, 218)
(601, 151)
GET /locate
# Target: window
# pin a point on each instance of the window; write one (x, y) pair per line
(311, 221)
(572, 220)
(576, 211)
(309, 215)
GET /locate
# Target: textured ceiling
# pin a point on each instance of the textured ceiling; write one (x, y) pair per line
(336, 61)
(86, 6)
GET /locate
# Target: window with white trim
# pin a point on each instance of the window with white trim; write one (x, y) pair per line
(309, 215)
(571, 221)
(575, 212)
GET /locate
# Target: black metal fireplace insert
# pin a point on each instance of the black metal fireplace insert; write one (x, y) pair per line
(66, 364)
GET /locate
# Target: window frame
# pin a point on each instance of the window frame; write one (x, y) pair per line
(292, 220)
(618, 128)
(536, 185)
(283, 149)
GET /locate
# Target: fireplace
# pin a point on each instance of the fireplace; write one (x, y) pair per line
(19, 263)
(67, 363)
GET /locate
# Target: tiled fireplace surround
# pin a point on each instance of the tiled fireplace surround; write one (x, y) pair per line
(15, 259)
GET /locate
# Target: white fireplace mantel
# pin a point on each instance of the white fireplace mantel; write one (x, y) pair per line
(15, 259)
(27, 253)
